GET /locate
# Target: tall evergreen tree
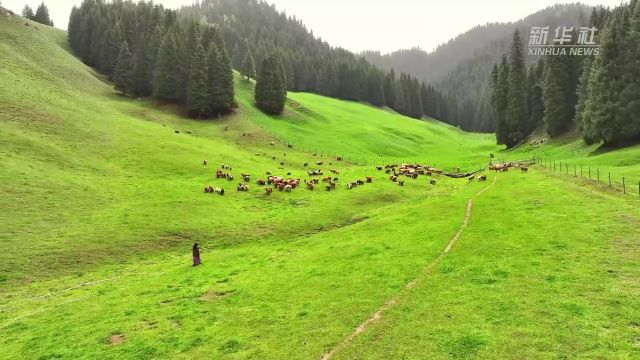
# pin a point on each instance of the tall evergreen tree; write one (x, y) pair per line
(123, 76)
(248, 67)
(199, 97)
(42, 15)
(536, 98)
(165, 81)
(601, 117)
(516, 115)
(27, 12)
(140, 80)
(630, 94)
(270, 88)
(500, 93)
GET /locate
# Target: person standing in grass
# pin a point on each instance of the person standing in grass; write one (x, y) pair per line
(196, 254)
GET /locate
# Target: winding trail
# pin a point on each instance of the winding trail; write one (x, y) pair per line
(394, 300)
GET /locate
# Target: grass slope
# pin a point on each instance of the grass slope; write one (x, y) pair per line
(101, 202)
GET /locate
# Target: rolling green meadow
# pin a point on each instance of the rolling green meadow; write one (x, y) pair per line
(101, 202)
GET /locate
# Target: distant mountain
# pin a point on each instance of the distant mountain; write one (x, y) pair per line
(461, 67)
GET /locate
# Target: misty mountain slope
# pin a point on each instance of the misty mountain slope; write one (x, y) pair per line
(461, 67)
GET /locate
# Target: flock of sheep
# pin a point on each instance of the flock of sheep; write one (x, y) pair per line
(317, 177)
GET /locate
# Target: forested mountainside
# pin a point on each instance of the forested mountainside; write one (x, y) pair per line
(459, 67)
(597, 93)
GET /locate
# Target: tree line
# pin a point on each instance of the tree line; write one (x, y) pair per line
(146, 50)
(41, 14)
(310, 64)
(598, 95)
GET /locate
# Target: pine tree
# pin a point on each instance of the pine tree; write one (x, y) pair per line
(602, 114)
(516, 115)
(113, 43)
(42, 15)
(248, 67)
(198, 97)
(630, 95)
(141, 86)
(270, 88)
(27, 12)
(536, 98)
(500, 99)
(123, 76)
(164, 85)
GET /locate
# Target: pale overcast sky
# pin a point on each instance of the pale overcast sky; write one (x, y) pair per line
(371, 24)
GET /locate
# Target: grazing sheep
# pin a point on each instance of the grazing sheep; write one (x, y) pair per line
(432, 182)
(243, 187)
(524, 169)
(306, 164)
(339, 158)
(177, 132)
(472, 177)
(268, 173)
(310, 186)
(205, 163)
(349, 186)
(319, 162)
(288, 188)
(334, 171)
(208, 189)
(360, 182)
(482, 178)
(219, 191)
(261, 182)
(268, 191)
(273, 144)
(379, 168)
(393, 178)
(401, 183)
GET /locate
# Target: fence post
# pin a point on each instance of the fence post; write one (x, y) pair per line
(589, 171)
(580, 170)
(609, 178)
(575, 172)
(567, 167)
(624, 186)
(598, 170)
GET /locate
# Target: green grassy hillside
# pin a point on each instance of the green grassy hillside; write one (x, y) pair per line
(102, 200)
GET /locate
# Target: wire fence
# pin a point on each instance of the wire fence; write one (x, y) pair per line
(592, 173)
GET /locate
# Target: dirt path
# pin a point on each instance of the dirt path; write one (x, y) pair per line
(394, 300)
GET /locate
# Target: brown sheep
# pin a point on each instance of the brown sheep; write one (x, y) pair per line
(268, 190)
(524, 169)
(310, 186)
(369, 179)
